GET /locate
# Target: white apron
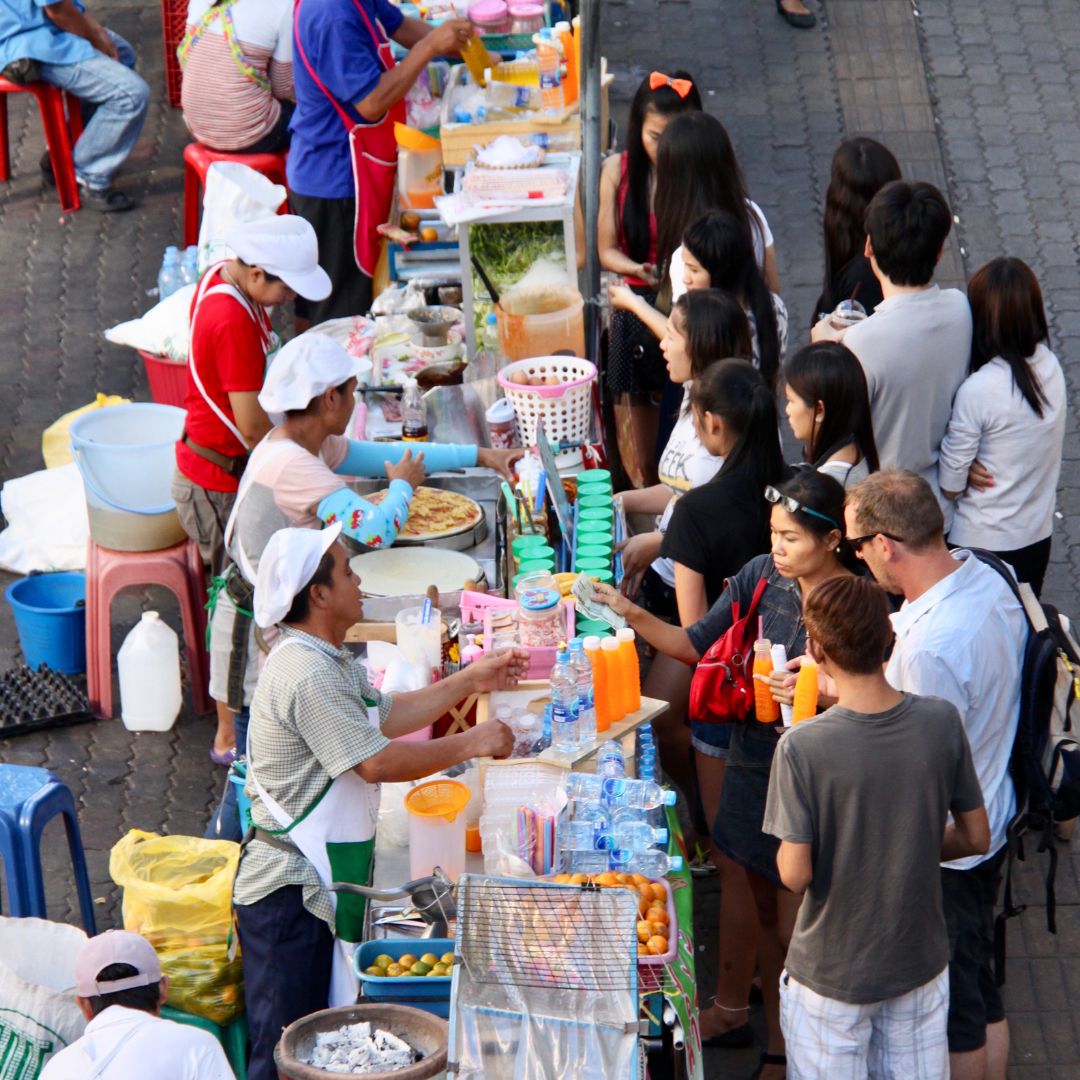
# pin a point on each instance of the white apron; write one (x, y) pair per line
(336, 834)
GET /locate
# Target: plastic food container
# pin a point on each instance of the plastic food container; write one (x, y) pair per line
(535, 553)
(594, 550)
(533, 579)
(520, 544)
(526, 18)
(428, 992)
(590, 501)
(540, 618)
(585, 627)
(437, 828)
(588, 477)
(541, 321)
(490, 17)
(502, 429)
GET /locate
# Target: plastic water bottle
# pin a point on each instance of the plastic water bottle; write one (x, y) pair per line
(585, 862)
(149, 663)
(545, 735)
(624, 815)
(593, 812)
(189, 267)
(618, 791)
(586, 703)
(639, 836)
(492, 345)
(654, 864)
(610, 760)
(585, 788)
(169, 279)
(583, 836)
(564, 705)
(527, 728)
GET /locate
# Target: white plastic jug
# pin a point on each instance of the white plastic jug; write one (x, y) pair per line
(149, 663)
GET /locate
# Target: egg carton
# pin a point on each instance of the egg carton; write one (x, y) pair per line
(34, 700)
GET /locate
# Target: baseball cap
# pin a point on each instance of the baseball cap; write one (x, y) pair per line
(287, 247)
(115, 947)
(286, 568)
(306, 367)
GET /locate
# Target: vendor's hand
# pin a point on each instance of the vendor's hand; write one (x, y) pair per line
(613, 598)
(499, 460)
(979, 479)
(826, 330)
(496, 671)
(409, 468)
(449, 38)
(623, 298)
(492, 738)
(639, 552)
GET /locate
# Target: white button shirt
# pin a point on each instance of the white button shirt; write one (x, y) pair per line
(963, 640)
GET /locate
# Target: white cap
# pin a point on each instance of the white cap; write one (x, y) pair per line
(115, 947)
(609, 643)
(592, 642)
(286, 568)
(625, 633)
(285, 246)
(306, 367)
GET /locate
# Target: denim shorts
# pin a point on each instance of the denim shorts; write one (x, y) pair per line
(712, 740)
(737, 829)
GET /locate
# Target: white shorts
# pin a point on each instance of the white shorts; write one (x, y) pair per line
(902, 1038)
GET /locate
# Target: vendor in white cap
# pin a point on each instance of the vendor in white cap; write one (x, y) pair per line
(277, 258)
(297, 476)
(318, 747)
(119, 988)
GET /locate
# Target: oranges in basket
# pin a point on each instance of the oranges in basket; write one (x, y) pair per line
(653, 920)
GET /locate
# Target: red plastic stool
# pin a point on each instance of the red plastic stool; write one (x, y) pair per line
(199, 158)
(178, 568)
(62, 129)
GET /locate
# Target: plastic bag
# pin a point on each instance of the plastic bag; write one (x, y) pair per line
(234, 194)
(47, 522)
(38, 1014)
(163, 331)
(55, 441)
(178, 895)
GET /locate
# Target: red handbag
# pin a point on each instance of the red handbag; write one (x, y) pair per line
(722, 688)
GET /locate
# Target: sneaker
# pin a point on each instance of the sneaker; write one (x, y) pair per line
(105, 200)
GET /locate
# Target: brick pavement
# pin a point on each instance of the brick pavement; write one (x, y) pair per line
(977, 97)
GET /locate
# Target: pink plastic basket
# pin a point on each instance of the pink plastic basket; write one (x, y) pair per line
(541, 659)
(167, 378)
(651, 969)
(565, 406)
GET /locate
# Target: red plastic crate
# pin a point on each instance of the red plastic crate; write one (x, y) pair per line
(167, 379)
(173, 24)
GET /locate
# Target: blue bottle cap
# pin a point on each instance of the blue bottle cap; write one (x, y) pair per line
(661, 836)
(675, 865)
(669, 798)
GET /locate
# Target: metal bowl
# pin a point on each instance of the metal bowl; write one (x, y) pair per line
(434, 323)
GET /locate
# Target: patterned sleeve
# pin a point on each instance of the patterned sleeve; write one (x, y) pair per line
(371, 525)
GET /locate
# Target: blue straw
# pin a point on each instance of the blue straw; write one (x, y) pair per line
(541, 490)
(425, 612)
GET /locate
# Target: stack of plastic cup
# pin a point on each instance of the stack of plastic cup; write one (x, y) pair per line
(597, 627)
(527, 542)
(594, 482)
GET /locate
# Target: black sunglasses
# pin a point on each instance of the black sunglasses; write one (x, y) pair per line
(791, 505)
(858, 541)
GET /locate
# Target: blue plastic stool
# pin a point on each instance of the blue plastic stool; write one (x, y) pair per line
(29, 799)
(233, 1036)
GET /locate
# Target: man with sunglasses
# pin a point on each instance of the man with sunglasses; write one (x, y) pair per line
(959, 636)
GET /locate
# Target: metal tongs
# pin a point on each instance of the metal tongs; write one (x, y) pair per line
(432, 899)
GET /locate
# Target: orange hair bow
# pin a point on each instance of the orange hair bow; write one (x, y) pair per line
(682, 87)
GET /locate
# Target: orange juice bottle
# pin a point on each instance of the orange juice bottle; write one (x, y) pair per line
(477, 59)
(631, 670)
(570, 83)
(609, 648)
(600, 682)
(806, 693)
(766, 708)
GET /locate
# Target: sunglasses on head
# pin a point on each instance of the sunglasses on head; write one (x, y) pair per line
(778, 498)
(858, 541)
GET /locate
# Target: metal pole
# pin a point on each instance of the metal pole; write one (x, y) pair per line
(590, 122)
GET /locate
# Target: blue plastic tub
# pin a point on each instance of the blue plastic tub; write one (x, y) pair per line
(50, 616)
(428, 992)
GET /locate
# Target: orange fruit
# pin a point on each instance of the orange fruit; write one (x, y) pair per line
(624, 879)
(640, 879)
(578, 879)
(657, 945)
(656, 929)
(659, 892)
(658, 915)
(607, 878)
(561, 879)
(645, 931)
(644, 891)
(641, 950)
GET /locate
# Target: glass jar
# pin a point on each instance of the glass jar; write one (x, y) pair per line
(541, 622)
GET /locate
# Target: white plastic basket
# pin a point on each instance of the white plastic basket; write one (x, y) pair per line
(565, 406)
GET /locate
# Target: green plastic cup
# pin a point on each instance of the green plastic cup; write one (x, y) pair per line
(521, 544)
(597, 513)
(585, 627)
(591, 564)
(598, 574)
(595, 502)
(594, 476)
(595, 531)
(594, 550)
(536, 564)
(536, 553)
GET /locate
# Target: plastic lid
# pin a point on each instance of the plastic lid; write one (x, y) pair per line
(625, 633)
(539, 599)
(609, 644)
(487, 10)
(528, 11)
(591, 642)
(675, 865)
(491, 320)
(576, 643)
(662, 836)
(669, 799)
(150, 616)
(501, 411)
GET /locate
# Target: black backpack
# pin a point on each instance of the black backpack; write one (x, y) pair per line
(1045, 760)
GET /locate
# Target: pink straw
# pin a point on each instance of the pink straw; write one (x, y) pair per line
(761, 626)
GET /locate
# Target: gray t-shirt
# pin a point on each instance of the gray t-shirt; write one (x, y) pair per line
(872, 794)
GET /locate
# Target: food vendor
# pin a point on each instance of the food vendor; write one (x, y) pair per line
(296, 476)
(319, 746)
(343, 156)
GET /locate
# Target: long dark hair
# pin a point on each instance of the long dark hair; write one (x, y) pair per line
(697, 171)
(633, 224)
(821, 492)
(1008, 321)
(831, 373)
(724, 246)
(715, 328)
(735, 391)
(860, 168)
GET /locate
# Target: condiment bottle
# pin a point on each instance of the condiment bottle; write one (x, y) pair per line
(766, 708)
(806, 693)
(414, 427)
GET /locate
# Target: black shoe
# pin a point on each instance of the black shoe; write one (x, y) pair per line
(801, 21)
(733, 1039)
(105, 200)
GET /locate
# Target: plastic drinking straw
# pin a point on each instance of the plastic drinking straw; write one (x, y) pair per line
(541, 485)
(425, 611)
(760, 627)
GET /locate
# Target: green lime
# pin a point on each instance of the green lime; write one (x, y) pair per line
(378, 972)
(420, 968)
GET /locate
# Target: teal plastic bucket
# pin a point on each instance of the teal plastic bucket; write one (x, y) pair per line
(50, 617)
(238, 778)
(126, 455)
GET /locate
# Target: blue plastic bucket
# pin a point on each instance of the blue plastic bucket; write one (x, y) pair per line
(50, 616)
(238, 778)
(126, 455)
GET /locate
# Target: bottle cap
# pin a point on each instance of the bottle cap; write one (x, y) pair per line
(675, 865)
(609, 644)
(576, 644)
(625, 633)
(501, 411)
(591, 642)
(491, 319)
(661, 836)
(669, 798)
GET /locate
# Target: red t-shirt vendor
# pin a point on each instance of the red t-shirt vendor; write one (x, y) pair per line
(343, 152)
(277, 258)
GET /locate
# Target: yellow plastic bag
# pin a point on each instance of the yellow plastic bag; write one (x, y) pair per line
(55, 441)
(178, 895)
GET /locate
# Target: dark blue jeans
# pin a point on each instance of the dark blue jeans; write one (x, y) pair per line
(225, 823)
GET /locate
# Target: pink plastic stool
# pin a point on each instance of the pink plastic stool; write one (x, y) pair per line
(61, 132)
(178, 568)
(199, 158)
